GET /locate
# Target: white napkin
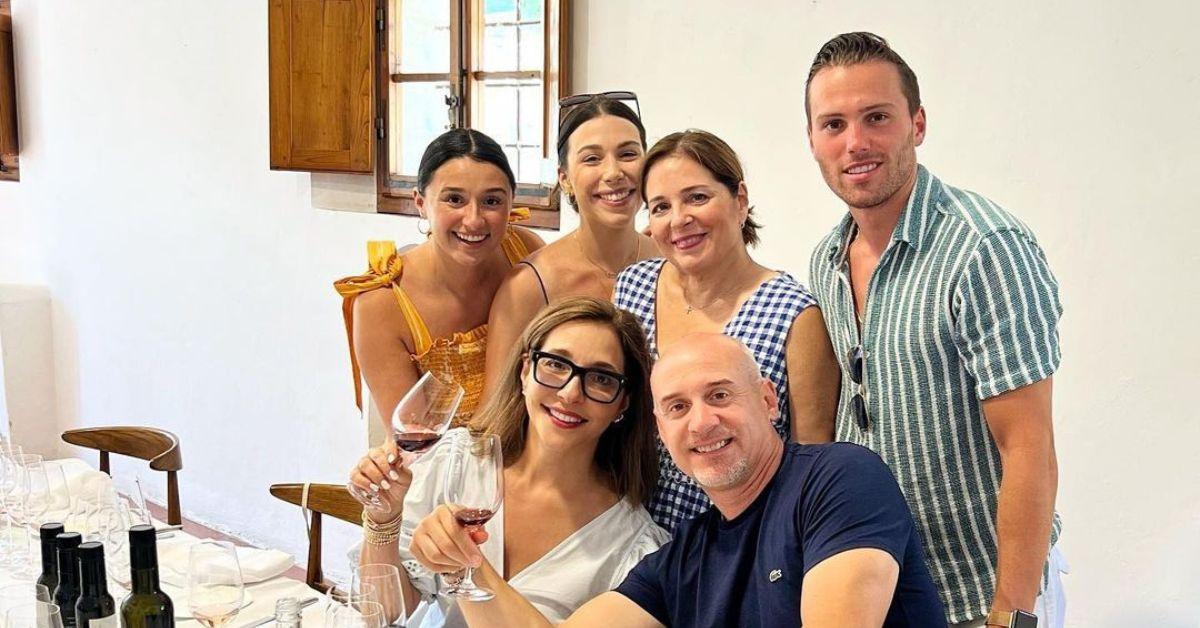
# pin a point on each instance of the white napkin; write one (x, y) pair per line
(257, 564)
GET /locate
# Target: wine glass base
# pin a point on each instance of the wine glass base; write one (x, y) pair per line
(471, 595)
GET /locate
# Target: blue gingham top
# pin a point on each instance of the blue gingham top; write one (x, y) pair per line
(762, 324)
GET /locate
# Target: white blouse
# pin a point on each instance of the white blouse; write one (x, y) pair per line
(592, 560)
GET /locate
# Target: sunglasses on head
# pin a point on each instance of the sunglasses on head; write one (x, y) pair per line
(566, 104)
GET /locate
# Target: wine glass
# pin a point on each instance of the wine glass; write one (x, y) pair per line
(418, 422)
(361, 615)
(473, 491)
(22, 594)
(215, 588)
(336, 598)
(35, 615)
(380, 582)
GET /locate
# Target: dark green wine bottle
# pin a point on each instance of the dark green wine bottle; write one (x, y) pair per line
(147, 606)
(49, 576)
(67, 590)
(95, 607)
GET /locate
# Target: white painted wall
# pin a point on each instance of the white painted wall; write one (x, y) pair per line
(191, 285)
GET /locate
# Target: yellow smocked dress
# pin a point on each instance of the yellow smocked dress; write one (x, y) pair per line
(458, 357)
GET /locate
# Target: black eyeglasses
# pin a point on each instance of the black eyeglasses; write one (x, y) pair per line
(555, 371)
(858, 403)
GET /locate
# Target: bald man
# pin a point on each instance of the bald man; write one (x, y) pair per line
(812, 534)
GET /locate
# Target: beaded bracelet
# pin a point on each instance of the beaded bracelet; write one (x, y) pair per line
(380, 533)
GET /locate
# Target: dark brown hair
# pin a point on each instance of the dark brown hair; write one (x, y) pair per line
(598, 105)
(715, 156)
(861, 47)
(626, 454)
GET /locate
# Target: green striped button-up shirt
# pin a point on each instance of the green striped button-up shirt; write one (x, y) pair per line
(962, 307)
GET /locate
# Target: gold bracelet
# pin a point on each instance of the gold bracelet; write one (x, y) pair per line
(380, 533)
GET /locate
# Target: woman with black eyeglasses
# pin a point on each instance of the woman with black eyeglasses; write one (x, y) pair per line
(601, 147)
(573, 415)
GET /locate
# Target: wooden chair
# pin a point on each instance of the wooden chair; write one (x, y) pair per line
(160, 447)
(323, 499)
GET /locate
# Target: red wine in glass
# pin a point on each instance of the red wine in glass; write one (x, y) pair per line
(416, 441)
(473, 517)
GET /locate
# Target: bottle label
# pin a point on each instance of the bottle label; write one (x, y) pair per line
(112, 621)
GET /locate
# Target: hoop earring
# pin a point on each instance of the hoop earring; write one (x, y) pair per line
(427, 228)
(620, 417)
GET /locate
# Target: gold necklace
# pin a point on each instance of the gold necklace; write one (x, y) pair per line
(688, 303)
(611, 275)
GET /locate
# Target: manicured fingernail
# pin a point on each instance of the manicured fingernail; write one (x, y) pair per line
(476, 561)
(385, 484)
(375, 488)
(395, 476)
(391, 458)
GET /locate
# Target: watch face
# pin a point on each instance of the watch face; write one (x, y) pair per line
(1021, 619)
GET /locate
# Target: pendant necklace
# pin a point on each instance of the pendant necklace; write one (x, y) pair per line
(611, 275)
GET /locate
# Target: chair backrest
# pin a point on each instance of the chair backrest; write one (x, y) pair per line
(160, 447)
(323, 499)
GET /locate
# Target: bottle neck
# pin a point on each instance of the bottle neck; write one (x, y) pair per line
(68, 574)
(145, 580)
(49, 557)
(93, 580)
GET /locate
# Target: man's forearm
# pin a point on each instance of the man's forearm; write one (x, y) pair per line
(1023, 521)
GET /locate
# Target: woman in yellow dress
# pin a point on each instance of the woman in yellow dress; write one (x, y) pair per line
(433, 314)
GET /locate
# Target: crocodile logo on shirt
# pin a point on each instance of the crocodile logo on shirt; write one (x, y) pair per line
(775, 574)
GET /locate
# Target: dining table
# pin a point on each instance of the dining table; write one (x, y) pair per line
(263, 569)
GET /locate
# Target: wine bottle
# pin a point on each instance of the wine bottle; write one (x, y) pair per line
(147, 606)
(47, 532)
(67, 590)
(95, 607)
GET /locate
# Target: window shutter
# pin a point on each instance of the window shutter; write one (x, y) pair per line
(8, 101)
(322, 66)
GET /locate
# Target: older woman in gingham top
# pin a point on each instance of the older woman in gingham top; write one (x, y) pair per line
(700, 219)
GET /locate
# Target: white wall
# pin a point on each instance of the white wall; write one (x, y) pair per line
(192, 285)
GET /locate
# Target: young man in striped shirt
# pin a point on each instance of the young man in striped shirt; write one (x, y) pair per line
(944, 314)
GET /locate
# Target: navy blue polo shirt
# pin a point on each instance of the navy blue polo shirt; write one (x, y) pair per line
(749, 571)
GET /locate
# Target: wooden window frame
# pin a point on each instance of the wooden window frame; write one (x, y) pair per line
(394, 194)
(10, 164)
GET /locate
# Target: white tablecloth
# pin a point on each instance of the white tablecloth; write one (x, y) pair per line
(173, 555)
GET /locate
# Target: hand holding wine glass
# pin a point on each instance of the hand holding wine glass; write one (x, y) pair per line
(473, 492)
(215, 587)
(418, 422)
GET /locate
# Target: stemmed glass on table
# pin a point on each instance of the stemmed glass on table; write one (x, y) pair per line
(380, 583)
(474, 490)
(34, 615)
(419, 421)
(215, 588)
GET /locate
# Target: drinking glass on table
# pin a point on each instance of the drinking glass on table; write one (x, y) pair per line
(22, 594)
(361, 615)
(380, 582)
(474, 490)
(336, 598)
(419, 421)
(215, 588)
(34, 615)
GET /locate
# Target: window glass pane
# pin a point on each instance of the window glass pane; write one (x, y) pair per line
(500, 10)
(511, 113)
(530, 9)
(418, 115)
(422, 38)
(499, 99)
(530, 43)
(499, 47)
(529, 166)
(530, 116)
